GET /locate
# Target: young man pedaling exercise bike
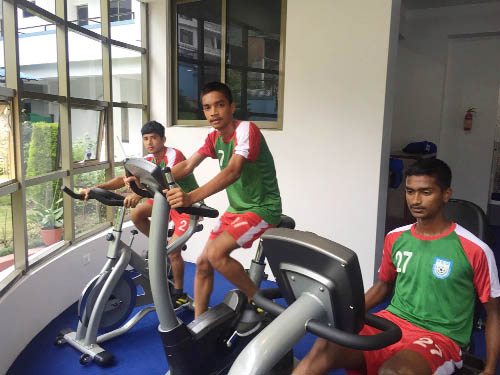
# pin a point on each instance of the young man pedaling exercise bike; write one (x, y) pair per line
(249, 177)
(153, 139)
(436, 268)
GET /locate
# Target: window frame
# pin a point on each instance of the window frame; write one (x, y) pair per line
(119, 15)
(80, 21)
(174, 64)
(14, 92)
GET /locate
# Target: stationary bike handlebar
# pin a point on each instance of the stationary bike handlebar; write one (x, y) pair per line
(390, 334)
(104, 196)
(197, 209)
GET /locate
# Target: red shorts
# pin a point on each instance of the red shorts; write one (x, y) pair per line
(181, 221)
(244, 228)
(442, 353)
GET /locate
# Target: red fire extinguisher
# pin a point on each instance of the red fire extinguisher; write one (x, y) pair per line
(468, 118)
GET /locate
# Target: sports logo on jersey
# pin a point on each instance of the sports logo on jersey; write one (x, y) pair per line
(442, 267)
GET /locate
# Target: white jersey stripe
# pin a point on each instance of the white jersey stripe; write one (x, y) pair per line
(243, 139)
(171, 156)
(248, 235)
(494, 283)
(401, 229)
(448, 367)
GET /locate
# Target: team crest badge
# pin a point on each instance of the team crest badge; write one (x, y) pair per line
(442, 268)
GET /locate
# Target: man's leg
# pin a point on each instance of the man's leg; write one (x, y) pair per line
(203, 282)
(325, 356)
(140, 217)
(177, 264)
(406, 362)
(219, 257)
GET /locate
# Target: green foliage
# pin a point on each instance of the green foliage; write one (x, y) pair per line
(5, 223)
(85, 180)
(34, 235)
(81, 146)
(6, 251)
(43, 148)
(5, 200)
(48, 217)
(42, 158)
(26, 140)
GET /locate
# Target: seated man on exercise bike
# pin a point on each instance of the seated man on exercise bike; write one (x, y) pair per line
(249, 177)
(153, 139)
(435, 267)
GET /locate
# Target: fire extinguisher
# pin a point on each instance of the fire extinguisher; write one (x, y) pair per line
(468, 118)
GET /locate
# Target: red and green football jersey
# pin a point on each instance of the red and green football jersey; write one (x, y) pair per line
(256, 189)
(437, 278)
(171, 157)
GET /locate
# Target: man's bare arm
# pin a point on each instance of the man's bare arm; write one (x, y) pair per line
(177, 198)
(187, 166)
(377, 293)
(113, 184)
(492, 308)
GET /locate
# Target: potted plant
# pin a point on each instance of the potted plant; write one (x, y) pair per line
(50, 220)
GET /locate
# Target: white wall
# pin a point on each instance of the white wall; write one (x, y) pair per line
(472, 80)
(328, 156)
(421, 66)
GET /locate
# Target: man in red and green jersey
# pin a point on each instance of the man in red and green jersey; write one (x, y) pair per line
(436, 268)
(249, 177)
(153, 139)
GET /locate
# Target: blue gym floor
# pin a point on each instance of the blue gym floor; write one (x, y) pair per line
(140, 350)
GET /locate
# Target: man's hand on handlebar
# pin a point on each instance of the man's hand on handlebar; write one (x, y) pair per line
(131, 200)
(178, 198)
(128, 180)
(86, 192)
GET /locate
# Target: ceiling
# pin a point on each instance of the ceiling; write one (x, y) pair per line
(423, 4)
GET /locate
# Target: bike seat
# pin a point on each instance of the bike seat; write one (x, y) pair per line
(286, 222)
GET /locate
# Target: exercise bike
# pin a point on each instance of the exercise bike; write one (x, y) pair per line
(208, 345)
(108, 300)
(321, 282)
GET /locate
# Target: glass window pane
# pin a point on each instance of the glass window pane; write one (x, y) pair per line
(40, 136)
(127, 75)
(127, 130)
(125, 18)
(85, 67)
(24, 17)
(253, 50)
(85, 127)
(90, 213)
(2, 59)
(6, 237)
(262, 96)
(38, 56)
(82, 15)
(44, 211)
(85, 13)
(6, 145)
(198, 52)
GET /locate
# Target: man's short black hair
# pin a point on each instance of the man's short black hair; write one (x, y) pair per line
(432, 167)
(217, 86)
(153, 127)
